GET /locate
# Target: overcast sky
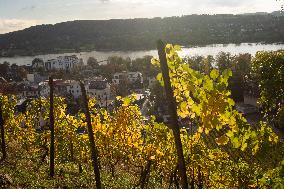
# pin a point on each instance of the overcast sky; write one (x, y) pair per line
(19, 14)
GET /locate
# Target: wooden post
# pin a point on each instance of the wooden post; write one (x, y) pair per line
(173, 112)
(93, 147)
(51, 127)
(3, 143)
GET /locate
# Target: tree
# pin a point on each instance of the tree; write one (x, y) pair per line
(22, 72)
(93, 62)
(241, 66)
(195, 62)
(223, 61)
(144, 66)
(38, 65)
(4, 68)
(268, 70)
(37, 62)
(207, 64)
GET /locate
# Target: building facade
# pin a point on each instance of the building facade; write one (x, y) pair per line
(130, 77)
(66, 63)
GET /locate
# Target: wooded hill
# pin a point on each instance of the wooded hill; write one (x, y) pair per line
(142, 33)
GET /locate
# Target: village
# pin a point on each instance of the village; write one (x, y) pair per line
(103, 80)
(68, 72)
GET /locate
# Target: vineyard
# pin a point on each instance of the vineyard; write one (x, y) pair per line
(220, 148)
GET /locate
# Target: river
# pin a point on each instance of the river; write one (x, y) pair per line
(251, 48)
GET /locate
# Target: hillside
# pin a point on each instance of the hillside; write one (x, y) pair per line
(137, 34)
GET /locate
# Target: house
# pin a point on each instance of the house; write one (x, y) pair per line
(73, 88)
(101, 90)
(59, 88)
(35, 78)
(28, 91)
(66, 63)
(51, 64)
(129, 77)
(135, 77)
(131, 82)
(118, 78)
(62, 88)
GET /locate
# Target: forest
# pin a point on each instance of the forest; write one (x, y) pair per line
(141, 33)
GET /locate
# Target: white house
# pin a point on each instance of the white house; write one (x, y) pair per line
(130, 77)
(73, 88)
(51, 64)
(100, 89)
(35, 78)
(63, 63)
(135, 77)
(63, 88)
(118, 77)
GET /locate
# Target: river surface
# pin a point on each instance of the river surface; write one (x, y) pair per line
(251, 48)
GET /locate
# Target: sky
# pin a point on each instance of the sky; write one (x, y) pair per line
(20, 14)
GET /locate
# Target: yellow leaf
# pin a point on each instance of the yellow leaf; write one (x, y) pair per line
(223, 140)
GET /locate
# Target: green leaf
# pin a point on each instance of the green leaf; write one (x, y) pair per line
(244, 146)
(214, 74)
(155, 62)
(236, 142)
(159, 77)
(230, 134)
(227, 73)
(208, 84)
(231, 102)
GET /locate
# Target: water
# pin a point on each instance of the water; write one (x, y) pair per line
(251, 48)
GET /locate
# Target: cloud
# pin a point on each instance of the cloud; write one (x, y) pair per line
(31, 12)
(226, 3)
(29, 8)
(8, 25)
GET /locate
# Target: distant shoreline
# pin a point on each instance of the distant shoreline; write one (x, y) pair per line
(70, 51)
(213, 49)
